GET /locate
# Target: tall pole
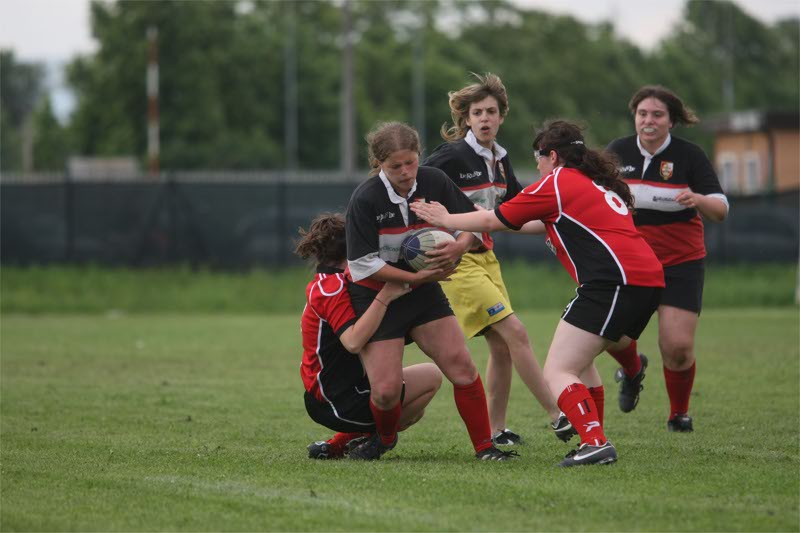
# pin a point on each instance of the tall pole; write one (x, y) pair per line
(418, 80)
(290, 88)
(347, 114)
(153, 148)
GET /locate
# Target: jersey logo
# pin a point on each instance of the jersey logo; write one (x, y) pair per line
(384, 216)
(666, 169)
(470, 175)
(496, 308)
(627, 169)
(549, 244)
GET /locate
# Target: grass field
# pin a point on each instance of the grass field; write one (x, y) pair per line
(172, 422)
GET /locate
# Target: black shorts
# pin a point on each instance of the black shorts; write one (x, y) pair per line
(424, 304)
(684, 286)
(612, 311)
(352, 415)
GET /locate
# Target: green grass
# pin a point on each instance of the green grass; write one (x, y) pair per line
(196, 423)
(98, 290)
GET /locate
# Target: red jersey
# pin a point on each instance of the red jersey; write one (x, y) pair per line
(328, 369)
(589, 228)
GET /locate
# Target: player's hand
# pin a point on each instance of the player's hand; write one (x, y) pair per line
(446, 255)
(432, 213)
(433, 274)
(688, 199)
(393, 290)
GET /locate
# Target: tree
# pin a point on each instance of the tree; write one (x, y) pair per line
(21, 85)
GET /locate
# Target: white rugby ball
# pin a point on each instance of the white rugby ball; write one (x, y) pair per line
(415, 246)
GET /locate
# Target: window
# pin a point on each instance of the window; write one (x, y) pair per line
(752, 173)
(726, 164)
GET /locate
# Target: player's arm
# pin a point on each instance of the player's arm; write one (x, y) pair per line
(710, 207)
(437, 214)
(355, 337)
(705, 192)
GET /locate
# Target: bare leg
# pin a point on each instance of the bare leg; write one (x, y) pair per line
(383, 361)
(498, 380)
(515, 337)
(422, 382)
(676, 332)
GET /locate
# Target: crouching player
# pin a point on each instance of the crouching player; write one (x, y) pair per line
(337, 389)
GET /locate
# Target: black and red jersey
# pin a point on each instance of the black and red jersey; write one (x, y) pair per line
(674, 232)
(589, 229)
(378, 220)
(329, 371)
(469, 171)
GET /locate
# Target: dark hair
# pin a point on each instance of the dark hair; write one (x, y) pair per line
(460, 101)
(678, 112)
(324, 240)
(566, 139)
(387, 138)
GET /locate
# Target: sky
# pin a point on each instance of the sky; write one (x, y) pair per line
(55, 31)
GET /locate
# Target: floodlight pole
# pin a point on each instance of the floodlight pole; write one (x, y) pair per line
(153, 148)
(290, 88)
(347, 115)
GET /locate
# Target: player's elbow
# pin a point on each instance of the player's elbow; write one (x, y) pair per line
(351, 343)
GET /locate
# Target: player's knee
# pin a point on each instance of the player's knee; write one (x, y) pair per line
(386, 394)
(677, 353)
(461, 369)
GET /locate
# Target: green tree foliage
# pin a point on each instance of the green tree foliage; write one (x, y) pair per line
(223, 88)
(51, 144)
(21, 85)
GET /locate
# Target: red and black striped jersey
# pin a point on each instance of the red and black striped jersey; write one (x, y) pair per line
(469, 171)
(674, 232)
(378, 220)
(589, 228)
(328, 369)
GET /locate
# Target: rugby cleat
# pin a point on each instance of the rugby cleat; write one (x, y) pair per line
(629, 388)
(494, 454)
(680, 424)
(371, 449)
(506, 438)
(586, 454)
(323, 450)
(563, 429)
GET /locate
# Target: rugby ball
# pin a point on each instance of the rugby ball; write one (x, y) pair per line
(415, 246)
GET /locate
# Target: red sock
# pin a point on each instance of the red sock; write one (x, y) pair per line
(628, 359)
(599, 397)
(340, 440)
(679, 387)
(471, 404)
(577, 404)
(386, 422)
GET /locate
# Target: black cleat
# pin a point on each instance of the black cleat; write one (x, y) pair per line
(586, 454)
(322, 450)
(494, 454)
(563, 429)
(630, 388)
(680, 424)
(371, 449)
(506, 438)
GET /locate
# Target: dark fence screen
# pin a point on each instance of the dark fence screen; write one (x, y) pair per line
(241, 225)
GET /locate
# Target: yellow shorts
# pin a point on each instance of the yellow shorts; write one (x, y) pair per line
(477, 293)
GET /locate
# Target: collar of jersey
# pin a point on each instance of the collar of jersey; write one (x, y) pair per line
(499, 151)
(663, 147)
(393, 196)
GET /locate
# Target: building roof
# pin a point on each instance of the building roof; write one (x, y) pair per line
(753, 120)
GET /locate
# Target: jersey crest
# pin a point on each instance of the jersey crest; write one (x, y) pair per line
(666, 169)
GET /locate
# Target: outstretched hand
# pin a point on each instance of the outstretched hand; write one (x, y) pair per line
(433, 213)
